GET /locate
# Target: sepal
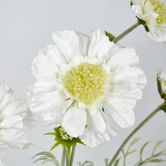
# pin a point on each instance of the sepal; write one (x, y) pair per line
(62, 138)
(110, 36)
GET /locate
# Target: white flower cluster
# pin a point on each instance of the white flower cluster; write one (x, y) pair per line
(12, 114)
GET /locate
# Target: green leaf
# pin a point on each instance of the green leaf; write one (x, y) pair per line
(86, 163)
(154, 157)
(117, 162)
(54, 146)
(133, 143)
(143, 148)
(157, 160)
(45, 157)
(156, 146)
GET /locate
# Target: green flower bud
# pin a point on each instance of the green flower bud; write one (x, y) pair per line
(161, 84)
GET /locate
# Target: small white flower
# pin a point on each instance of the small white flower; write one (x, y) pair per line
(87, 85)
(153, 13)
(12, 113)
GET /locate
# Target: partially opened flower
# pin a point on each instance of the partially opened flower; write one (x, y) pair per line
(87, 85)
(161, 80)
(12, 114)
(153, 14)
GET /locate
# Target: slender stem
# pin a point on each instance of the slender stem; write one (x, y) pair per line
(63, 157)
(130, 29)
(124, 161)
(148, 118)
(67, 159)
(72, 156)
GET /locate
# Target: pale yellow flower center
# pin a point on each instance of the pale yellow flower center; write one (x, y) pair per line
(85, 82)
(160, 9)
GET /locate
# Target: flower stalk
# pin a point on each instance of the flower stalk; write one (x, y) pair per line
(63, 157)
(126, 32)
(67, 159)
(72, 156)
(147, 119)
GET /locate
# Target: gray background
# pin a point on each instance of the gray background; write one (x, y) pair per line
(27, 25)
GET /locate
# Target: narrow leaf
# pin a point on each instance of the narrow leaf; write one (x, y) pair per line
(143, 148)
(156, 146)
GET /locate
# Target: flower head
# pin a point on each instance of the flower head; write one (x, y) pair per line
(12, 114)
(87, 85)
(153, 14)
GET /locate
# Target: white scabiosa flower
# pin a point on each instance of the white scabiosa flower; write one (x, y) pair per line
(12, 113)
(153, 14)
(87, 85)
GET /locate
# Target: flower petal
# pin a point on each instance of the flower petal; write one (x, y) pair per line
(74, 121)
(123, 119)
(42, 67)
(70, 43)
(97, 121)
(128, 81)
(99, 45)
(123, 57)
(158, 33)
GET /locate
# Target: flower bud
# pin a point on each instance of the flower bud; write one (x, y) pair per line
(161, 83)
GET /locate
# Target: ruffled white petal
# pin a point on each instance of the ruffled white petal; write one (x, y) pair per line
(128, 81)
(74, 121)
(123, 119)
(98, 129)
(12, 114)
(123, 57)
(43, 67)
(99, 45)
(70, 44)
(158, 33)
(48, 104)
(127, 84)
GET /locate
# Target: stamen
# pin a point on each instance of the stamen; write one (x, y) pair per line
(85, 82)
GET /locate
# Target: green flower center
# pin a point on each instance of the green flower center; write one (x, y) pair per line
(85, 82)
(160, 9)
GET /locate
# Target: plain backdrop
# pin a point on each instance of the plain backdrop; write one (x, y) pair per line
(26, 27)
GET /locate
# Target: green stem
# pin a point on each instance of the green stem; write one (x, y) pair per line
(147, 119)
(63, 157)
(126, 32)
(72, 155)
(124, 161)
(67, 159)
